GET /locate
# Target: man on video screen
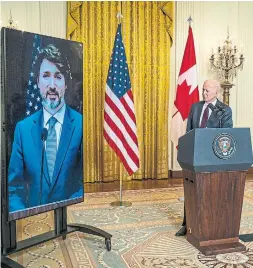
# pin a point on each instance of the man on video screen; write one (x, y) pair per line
(60, 178)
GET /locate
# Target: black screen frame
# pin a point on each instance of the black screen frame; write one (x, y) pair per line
(4, 141)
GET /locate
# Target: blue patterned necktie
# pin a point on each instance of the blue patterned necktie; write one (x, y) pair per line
(51, 149)
(204, 118)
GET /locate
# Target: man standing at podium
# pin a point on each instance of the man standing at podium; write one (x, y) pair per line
(209, 113)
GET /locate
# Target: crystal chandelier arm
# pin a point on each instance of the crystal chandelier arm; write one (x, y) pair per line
(212, 62)
(241, 61)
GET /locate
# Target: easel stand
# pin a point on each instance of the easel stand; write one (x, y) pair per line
(10, 244)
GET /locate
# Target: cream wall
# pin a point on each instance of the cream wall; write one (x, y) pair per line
(43, 17)
(210, 21)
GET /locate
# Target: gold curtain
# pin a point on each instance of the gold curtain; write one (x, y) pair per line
(147, 35)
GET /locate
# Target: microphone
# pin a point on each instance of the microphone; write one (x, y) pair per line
(217, 111)
(213, 108)
(44, 134)
(221, 107)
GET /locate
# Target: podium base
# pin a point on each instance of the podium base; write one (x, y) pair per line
(121, 204)
(214, 247)
(221, 249)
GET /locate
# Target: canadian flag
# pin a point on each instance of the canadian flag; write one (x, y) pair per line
(187, 90)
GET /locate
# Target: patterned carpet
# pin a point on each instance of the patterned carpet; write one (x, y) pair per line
(143, 234)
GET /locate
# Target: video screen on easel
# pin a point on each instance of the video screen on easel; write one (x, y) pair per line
(42, 87)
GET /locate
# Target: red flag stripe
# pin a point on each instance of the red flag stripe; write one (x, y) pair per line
(128, 109)
(121, 118)
(120, 146)
(120, 136)
(118, 152)
(121, 108)
(130, 94)
(129, 99)
(122, 128)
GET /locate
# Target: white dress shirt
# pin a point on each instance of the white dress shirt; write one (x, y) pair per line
(58, 125)
(209, 110)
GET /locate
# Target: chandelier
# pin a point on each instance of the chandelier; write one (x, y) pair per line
(225, 63)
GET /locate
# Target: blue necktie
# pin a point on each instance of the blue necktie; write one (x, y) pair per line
(51, 149)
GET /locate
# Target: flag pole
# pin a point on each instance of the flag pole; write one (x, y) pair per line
(120, 190)
(120, 203)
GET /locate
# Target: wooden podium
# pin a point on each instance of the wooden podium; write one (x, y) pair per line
(215, 162)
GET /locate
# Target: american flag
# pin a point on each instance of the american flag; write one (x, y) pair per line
(33, 98)
(119, 115)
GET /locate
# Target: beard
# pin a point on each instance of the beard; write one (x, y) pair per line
(52, 104)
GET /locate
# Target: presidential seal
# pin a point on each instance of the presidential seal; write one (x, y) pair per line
(224, 146)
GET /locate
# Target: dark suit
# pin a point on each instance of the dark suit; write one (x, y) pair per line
(25, 163)
(213, 121)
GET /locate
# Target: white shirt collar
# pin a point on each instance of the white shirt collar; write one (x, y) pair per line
(213, 103)
(59, 115)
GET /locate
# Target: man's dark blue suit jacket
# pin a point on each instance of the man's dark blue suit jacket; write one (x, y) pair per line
(25, 163)
(213, 121)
